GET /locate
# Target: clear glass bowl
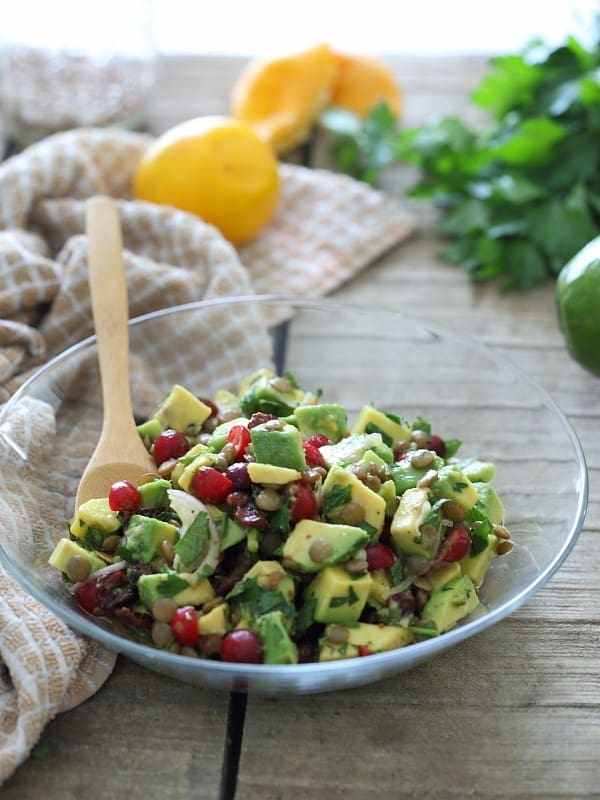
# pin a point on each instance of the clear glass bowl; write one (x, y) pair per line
(49, 428)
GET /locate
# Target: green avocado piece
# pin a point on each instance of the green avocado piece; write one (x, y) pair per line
(333, 543)
(335, 596)
(154, 494)
(150, 429)
(405, 476)
(65, 550)
(477, 470)
(143, 536)
(489, 503)
(451, 603)
(182, 411)
(230, 532)
(278, 647)
(183, 588)
(278, 447)
(262, 392)
(219, 435)
(328, 419)
(453, 484)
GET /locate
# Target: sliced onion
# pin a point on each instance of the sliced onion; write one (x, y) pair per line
(187, 507)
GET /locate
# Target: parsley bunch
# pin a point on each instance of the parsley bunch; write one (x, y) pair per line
(519, 199)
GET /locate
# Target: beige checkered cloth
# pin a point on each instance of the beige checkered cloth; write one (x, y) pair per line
(327, 228)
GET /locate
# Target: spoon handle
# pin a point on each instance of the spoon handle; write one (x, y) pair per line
(108, 292)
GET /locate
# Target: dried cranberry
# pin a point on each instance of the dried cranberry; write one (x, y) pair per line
(124, 496)
(259, 418)
(251, 516)
(133, 619)
(313, 455)
(304, 504)
(455, 546)
(438, 445)
(307, 651)
(238, 475)
(239, 437)
(241, 646)
(386, 532)
(364, 651)
(214, 410)
(136, 569)
(226, 584)
(211, 486)
(379, 556)
(184, 624)
(114, 590)
(236, 499)
(169, 444)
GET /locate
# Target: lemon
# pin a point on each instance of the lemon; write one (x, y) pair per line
(578, 305)
(217, 168)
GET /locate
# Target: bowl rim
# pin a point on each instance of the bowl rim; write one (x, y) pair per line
(246, 673)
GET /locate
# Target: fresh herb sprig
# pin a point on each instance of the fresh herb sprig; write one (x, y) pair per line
(519, 199)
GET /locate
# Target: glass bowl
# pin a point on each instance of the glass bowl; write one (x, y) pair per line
(355, 356)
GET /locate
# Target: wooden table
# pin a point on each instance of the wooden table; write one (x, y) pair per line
(512, 713)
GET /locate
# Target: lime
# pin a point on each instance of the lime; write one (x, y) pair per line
(578, 305)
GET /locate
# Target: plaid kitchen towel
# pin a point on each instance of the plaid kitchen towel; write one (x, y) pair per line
(327, 228)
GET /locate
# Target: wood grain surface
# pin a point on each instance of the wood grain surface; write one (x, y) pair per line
(513, 713)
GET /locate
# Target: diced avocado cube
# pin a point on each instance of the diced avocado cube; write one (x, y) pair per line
(280, 448)
(65, 550)
(476, 566)
(385, 453)
(218, 437)
(271, 575)
(388, 493)
(413, 509)
(216, 621)
(341, 487)
(150, 429)
(405, 476)
(375, 638)
(489, 503)
(278, 647)
(451, 603)
(184, 588)
(203, 459)
(443, 576)
(143, 536)
(453, 484)
(182, 411)
(336, 596)
(97, 514)
(154, 493)
(328, 419)
(230, 532)
(314, 545)
(226, 401)
(262, 391)
(267, 473)
(392, 428)
(476, 470)
(350, 449)
(381, 585)
(371, 457)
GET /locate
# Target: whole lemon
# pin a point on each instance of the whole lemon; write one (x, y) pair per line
(217, 168)
(578, 305)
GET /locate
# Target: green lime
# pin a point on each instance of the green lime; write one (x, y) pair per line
(578, 305)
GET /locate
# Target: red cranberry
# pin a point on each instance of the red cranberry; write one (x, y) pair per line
(241, 646)
(259, 417)
(304, 505)
(133, 619)
(379, 556)
(124, 496)
(437, 444)
(239, 437)
(455, 546)
(169, 444)
(405, 601)
(364, 651)
(211, 486)
(238, 475)
(313, 455)
(184, 624)
(249, 514)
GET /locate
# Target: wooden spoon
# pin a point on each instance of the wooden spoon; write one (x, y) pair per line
(120, 453)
